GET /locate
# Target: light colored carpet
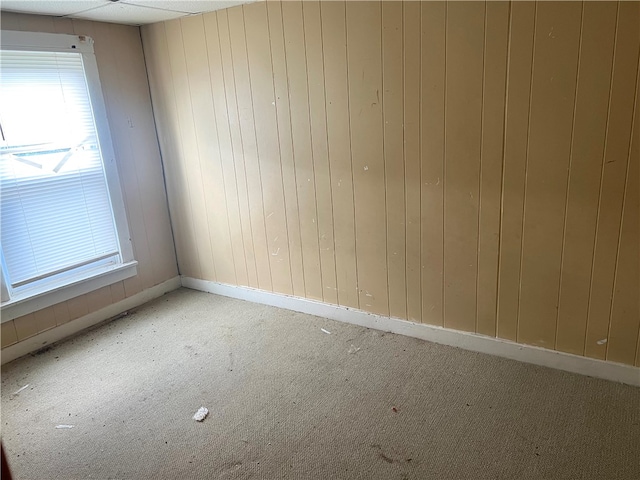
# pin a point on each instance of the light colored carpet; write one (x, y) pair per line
(287, 400)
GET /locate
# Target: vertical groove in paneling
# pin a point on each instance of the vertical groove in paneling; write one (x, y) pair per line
(515, 152)
(412, 180)
(247, 135)
(624, 323)
(285, 143)
(493, 116)
(525, 170)
(556, 41)
(176, 168)
(416, 164)
(591, 113)
(161, 89)
(225, 147)
(444, 153)
(463, 110)
(502, 169)
(365, 85)
(433, 20)
(319, 147)
(480, 160)
(571, 156)
(201, 102)
(293, 28)
(614, 170)
(339, 148)
(384, 164)
(261, 75)
(190, 164)
(392, 104)
(238, 163)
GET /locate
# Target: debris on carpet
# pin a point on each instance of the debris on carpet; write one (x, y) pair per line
(201, 414)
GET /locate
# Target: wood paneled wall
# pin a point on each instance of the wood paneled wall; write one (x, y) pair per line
(123, 78)
(469, 165)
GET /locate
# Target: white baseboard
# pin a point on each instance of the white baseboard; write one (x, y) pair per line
(37, 342)
(469, 341)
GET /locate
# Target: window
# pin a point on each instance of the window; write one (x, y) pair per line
(63, 223)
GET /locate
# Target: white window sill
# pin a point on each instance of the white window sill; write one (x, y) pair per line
(30, 302)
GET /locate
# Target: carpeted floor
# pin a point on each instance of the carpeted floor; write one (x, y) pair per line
(287, 400)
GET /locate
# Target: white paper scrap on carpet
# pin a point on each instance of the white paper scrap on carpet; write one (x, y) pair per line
(64, 426)
(201, 414)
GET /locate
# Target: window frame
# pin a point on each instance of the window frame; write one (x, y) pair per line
(74, 284)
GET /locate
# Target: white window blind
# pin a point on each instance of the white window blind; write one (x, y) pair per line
(56, 210)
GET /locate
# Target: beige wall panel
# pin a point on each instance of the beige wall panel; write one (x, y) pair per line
(118, 112)
(13, 21)
(412, 177)
(515, 156)
(78, 307)
(171, 143)
(364, 47)
(463, 137)
(392, 105)
(62, 25)
(319, 146)
(206, 133)
(25, 326)
(45, 319)
(283, 114)
(302, 150)
(8, 335)
(146, 169)
(433, 18)
(132, 286)
(117, 292)
(144, 146)
(249, 146)
(99, 299)
(161, 86)
(309, 94)
(625, 308)
(37, 23)
(225, 146)
(190, 155)
(590, 123)
(557, 40)
(261, 75)
(33, 323)
(625, 66)
(339, 148)
(237, 146)
(494, 89)
(61, 310)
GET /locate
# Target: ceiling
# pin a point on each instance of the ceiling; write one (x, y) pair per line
(129, 12)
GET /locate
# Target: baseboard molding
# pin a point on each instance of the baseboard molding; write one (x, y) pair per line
(48, 337)
(469, 341)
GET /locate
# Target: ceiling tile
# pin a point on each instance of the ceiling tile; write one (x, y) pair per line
(52, 7)
(189, 6)
(128, 14)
